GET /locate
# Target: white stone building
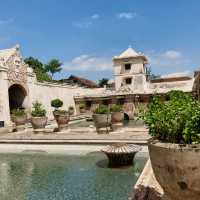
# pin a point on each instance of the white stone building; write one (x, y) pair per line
(132, 85)
(130, 70)
(20, 88)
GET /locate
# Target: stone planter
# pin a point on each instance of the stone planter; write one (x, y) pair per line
(20, 122)
(82, 110)
(62, 121)
(102, 121)
(71, 112)
(39, 123)
(177, 169)
(117, 117)
(121, 154)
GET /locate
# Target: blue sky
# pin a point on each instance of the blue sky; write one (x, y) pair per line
(86, 34)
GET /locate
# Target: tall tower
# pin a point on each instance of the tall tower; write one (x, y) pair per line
(130, 70)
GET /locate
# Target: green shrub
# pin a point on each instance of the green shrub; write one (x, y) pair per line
(56, 103)
(19, 112)
(38, 110)
(60, 112)
(116, 108)
(102, 110)
(176, 120)
(82, 106)
(71, 108)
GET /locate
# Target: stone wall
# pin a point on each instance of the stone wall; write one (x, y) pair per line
(45, 92)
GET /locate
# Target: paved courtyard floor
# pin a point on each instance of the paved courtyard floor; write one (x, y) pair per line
(78, 135)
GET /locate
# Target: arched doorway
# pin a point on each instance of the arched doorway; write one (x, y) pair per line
(126, 117)
(17, 95)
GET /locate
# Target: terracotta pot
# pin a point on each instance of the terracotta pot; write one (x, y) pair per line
(117, 117)
(39, 122)
(20, 122)
(177, 169)
(102, 120)
(82, 110)
(62, 120)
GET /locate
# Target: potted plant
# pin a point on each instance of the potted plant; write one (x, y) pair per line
(38, 117)
(175, 146)
(102, 117)
(61, 116)
(71, 110)
(19, 116)
(117, 114)
(82, 108)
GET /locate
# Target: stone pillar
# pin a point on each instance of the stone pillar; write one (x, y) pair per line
(95, 104)
(129, 107)
(113, 101)
(4, 97)
(31, 81)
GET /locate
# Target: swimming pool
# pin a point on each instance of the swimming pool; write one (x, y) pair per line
(70, 177)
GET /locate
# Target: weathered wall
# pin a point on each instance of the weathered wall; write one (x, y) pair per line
(45, 92)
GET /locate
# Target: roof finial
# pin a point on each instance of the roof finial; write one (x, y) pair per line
(17, 46)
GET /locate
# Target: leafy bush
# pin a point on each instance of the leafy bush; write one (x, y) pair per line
(56, 103)
(176, 120)
(82, 106)
(116, 108)
(60, 112)
(38, 110)
(19, 112)
(71, 108)
(102, 110)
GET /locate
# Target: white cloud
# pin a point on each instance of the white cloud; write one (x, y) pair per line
(86, 23)
(95, 16)
(178, 74)
(6, 21)
(168, 61)
(127, 15)
(88, 63)
(172, 54)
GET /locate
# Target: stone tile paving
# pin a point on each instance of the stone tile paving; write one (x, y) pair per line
(139, 133)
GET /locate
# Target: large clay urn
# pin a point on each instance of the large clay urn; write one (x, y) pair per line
(117, 117)
(20, 122)
(62, 120)
(102, 121)
(38, 123)
(177, 169)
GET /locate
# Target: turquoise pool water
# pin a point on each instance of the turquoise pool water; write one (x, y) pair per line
(51, 177)
(128, 123)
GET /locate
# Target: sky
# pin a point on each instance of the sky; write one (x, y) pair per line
(86, 34)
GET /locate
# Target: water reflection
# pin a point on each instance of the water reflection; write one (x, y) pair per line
(35, 177)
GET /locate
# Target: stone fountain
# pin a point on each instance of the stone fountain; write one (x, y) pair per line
(121, 154)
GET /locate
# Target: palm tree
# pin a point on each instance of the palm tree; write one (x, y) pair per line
(53, 66)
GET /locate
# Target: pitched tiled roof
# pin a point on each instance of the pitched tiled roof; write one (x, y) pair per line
(81, 81)
(130, 53)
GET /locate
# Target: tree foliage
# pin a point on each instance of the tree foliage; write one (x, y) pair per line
(150, 75)
(176, 120)
(38, 68)
(53, 66)
(102, 82)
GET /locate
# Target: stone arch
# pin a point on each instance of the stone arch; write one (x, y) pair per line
(126, 117)
(17, 96)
